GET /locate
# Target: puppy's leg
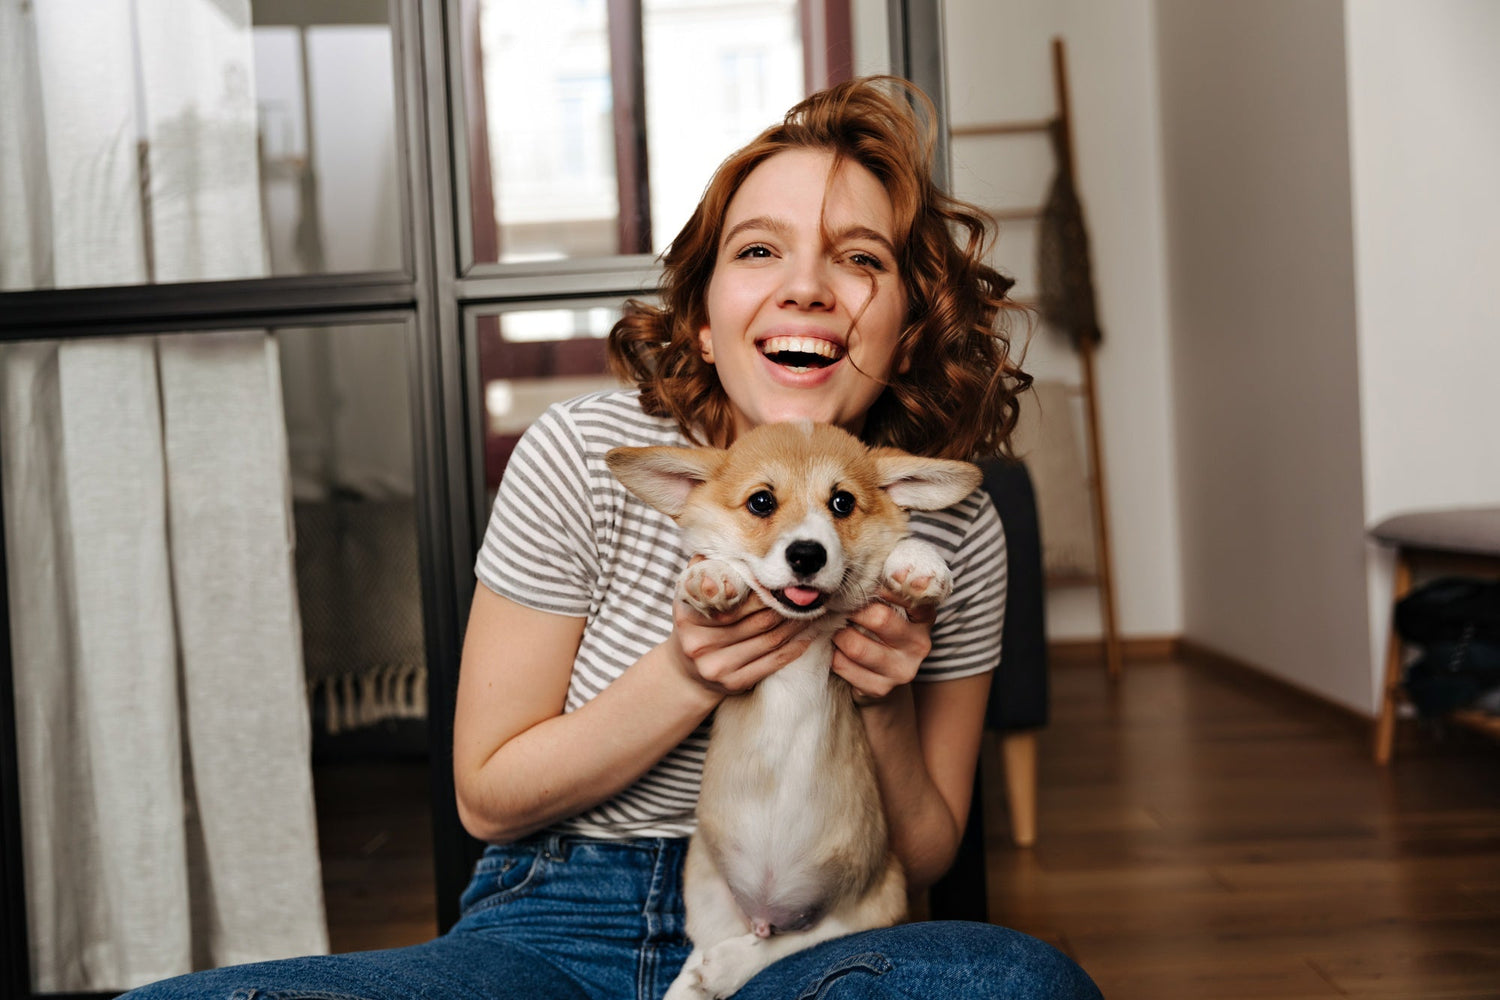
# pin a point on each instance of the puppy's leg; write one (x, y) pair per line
(916, 571)
(714, 585)
(712, 916)
(689, 982)
(712, 913)
(732, 963)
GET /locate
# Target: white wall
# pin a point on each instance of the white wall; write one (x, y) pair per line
(1255, 144)
(999, 69)
(1424, 87)
(1296, 226)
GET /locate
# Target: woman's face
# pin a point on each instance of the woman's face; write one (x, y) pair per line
(800, 328)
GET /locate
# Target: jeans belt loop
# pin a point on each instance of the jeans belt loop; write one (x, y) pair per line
(553, 850)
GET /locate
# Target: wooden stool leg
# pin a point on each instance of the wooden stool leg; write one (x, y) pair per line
(1385, 723)
(1019, 752)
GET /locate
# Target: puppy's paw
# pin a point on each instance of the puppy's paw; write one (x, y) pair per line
(714, 585)
(731, 964)
(688, 985)
(916, 573)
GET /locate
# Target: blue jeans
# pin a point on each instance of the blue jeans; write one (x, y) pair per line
(558, 918)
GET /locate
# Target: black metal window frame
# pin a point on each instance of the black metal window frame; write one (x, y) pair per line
(430, 297)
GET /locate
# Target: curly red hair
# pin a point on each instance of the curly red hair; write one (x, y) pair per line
(957, 396)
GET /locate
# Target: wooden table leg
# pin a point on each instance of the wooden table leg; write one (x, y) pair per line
(1385, 723)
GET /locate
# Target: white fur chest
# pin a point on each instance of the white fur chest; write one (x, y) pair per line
(769, 767)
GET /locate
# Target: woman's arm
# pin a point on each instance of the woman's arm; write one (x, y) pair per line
(520, 763)
(926, 740)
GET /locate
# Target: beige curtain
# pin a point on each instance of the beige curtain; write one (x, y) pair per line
(162, 724)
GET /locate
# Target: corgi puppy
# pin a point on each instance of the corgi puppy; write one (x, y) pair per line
(791, 846)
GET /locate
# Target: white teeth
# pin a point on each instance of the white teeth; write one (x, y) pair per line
(801, 345)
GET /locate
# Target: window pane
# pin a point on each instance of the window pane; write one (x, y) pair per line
(547, 103)
(349, 443)
(565, 158)
(715, 78)
(201, 140)
(531, 358)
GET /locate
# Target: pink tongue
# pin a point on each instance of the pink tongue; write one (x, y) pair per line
(801, 596)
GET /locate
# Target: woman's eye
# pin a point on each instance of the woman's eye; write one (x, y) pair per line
(754, 250)
(841, 503)
(762, 503)
(861, 259)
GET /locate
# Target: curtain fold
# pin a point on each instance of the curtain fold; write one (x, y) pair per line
(245, 701)
(167, 807)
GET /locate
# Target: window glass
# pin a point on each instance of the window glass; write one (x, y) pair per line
(202, 140)
(530, 358)
(715, 78)
(593, 130)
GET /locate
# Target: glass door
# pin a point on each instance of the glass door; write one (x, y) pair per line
(414, 222)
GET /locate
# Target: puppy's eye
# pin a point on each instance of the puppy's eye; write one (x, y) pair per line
(762, 503)
(841, 503)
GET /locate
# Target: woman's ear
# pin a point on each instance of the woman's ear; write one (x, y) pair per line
(706, 344)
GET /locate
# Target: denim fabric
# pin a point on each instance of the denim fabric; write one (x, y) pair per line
(558, 918)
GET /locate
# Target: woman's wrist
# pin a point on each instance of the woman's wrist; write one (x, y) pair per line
(892, 713)
(681, 674)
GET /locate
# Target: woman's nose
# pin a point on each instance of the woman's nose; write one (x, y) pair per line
(806, 284)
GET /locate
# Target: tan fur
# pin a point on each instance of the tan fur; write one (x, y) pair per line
(792, 846)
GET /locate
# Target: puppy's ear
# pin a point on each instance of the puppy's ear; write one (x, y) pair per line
(663, 477)
(924, 483)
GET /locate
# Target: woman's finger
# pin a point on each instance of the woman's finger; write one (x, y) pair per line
(868, 685)
(761, 667)
(739, 667)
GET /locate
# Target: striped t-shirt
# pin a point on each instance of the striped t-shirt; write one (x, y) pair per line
(565, 537)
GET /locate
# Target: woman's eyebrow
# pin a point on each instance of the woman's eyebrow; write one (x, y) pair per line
(866, 233)
(773, 225)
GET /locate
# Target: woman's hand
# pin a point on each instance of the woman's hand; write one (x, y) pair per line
(729, 652)
(883, 646)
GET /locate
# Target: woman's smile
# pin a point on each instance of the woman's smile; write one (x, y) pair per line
(799, 353)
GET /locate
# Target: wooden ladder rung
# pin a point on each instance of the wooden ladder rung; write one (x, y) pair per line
(1071, 579)
(1014, 214)
(1001, 128)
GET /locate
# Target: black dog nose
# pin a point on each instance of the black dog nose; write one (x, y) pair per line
(806, 558)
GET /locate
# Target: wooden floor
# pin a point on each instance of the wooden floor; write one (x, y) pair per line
(1204, 835)
(1201, 835)
(375, 836)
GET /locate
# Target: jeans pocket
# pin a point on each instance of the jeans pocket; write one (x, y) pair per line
(502, 873)
(870, 963)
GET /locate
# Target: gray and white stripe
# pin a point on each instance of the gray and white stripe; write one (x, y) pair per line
(566, 538)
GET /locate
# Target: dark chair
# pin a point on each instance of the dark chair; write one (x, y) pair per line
(1018, 696)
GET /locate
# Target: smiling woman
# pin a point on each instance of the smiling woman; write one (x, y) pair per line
(587, 680)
